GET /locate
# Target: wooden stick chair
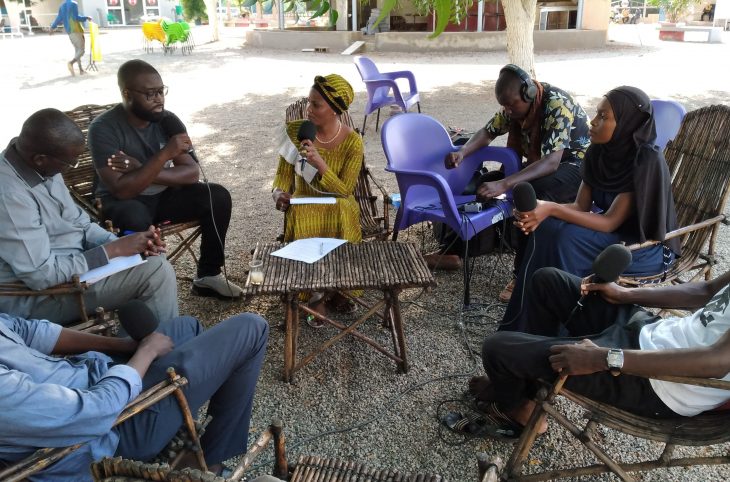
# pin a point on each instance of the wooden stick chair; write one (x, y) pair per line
(102, 322)
(118, 469)
(699, 162)
(374, 225)
(705, 429)
(43, 458)
(81, 182)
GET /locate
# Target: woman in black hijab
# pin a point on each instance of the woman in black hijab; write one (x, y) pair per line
(626, 177)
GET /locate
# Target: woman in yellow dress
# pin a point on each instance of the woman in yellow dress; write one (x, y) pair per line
(337, 155)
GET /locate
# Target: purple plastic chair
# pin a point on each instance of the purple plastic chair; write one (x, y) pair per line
(380, 84)
(668, 116)
(415, 146)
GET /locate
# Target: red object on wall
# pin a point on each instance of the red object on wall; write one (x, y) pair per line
(151, 2)
(671, 35)
(113, 3)
(132, 2)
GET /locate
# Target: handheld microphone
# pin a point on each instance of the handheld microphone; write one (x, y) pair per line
(609, 265)
(307, 131)
(137, 319)
(173, 126)
(524, 197)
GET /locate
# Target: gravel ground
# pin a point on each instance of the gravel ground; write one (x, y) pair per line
(232, 96)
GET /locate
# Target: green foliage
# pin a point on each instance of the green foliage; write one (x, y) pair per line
(445, 10)
(194, 9)
(675, 8)
(320, 7)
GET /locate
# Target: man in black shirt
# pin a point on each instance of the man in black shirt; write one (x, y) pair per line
(147, 175)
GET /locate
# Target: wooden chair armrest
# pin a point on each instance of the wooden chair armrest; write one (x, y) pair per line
(386, 196)
(680, 232)
(21, 289)
(43, 458)
(273, 432)
(557, 386)
(700, 382)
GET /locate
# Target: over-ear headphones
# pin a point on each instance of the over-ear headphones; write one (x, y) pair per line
(528, 89)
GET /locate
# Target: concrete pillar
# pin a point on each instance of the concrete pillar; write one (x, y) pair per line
(342, 10)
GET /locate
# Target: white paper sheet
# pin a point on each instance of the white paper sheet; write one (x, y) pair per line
(308, 250)
(115, 265)
(312, 200)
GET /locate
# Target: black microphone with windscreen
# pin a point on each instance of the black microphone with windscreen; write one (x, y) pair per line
(609, 265)
(173, 126)
(137, 319)
(524, 197)
(307, 131)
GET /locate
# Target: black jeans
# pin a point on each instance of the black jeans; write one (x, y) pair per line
(179, 204)
(514, 361)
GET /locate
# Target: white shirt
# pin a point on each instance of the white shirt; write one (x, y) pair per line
(700, 329)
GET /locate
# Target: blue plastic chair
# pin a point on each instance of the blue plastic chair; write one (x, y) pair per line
(415, 146)
(668, 116)
(379, 86)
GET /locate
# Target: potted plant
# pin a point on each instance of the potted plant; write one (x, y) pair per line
(676, 10)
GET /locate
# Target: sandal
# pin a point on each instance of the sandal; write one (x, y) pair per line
(479, 425)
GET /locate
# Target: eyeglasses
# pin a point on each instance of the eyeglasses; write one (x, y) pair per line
(152, 93)
(71, 164)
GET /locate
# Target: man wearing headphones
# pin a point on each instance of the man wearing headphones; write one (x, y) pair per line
(546, 127)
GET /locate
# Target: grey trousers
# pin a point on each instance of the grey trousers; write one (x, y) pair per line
(152, 282)
(222, 365)
(78, 41)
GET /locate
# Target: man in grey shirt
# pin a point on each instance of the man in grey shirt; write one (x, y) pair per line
(45, 238)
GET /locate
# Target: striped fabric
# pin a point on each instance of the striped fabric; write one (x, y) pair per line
(340, 220)
(336, 91)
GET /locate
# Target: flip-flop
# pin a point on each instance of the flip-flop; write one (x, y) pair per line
(476, 425)
(495, 416)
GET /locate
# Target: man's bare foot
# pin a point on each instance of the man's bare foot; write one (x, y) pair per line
(480, 387)
(82, 71)
(70, 66)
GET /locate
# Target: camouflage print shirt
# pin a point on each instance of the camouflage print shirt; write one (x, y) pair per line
(564, 126)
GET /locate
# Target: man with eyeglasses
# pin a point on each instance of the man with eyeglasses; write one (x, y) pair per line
(147, 175)
(46, 239)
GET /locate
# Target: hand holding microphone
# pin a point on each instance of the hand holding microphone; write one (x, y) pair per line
(179, 142)
(607, 267)
(306, 135)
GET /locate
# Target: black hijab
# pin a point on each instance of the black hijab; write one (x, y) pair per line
(630, 162)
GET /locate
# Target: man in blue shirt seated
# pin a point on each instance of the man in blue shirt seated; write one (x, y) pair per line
(49, 401)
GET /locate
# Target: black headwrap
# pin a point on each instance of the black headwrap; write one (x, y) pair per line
(631, 162)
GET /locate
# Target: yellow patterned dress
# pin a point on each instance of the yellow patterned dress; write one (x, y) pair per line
(340, 220)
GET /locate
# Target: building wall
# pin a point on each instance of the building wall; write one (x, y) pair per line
(595, 14)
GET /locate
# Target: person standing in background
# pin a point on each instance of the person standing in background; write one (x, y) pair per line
(68, 14)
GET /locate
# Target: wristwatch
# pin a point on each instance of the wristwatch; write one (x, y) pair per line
(615, 361)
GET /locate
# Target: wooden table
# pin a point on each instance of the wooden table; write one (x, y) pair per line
(383, 266)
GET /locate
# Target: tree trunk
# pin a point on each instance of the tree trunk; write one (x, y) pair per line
(520, 18)
(211, 6)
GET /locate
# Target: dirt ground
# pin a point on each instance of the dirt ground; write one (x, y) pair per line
(232, 97)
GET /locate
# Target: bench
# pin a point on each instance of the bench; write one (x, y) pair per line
(676, 33)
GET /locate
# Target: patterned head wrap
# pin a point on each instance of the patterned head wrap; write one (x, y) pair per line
(335, 90)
